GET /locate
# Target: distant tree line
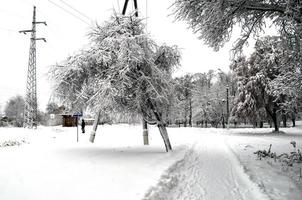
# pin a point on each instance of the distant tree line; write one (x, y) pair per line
(13, 113)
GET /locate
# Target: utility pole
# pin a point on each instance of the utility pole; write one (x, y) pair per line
(31, 105)
(145, 125)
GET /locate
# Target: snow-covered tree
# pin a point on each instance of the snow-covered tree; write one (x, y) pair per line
(210, 97)
(122, 70)
(14, 110)
(256, 77)
(288, 84)
(215, 20)
(183, 87)
(53, 108)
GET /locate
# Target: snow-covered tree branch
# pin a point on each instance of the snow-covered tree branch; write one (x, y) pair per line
(122, 70)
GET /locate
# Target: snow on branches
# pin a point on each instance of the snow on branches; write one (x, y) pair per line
(121, 66)
(123, 69)
(262, 82)
(214, 20)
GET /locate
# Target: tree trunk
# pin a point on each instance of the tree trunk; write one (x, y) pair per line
(190, 113)
(275, 120)
(294, 120)
(273, 115)
(160, 125)
(185, 117)
(270, 124)
(284, 120)
(95, 126)
(261, 124)
(293, 117)
(164, 135)
(145, 132)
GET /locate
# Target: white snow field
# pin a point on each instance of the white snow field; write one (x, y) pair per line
(206, 164)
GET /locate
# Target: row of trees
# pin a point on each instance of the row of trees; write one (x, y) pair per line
(202, 98)
(14, 109)
(124, 70)
(269, 81)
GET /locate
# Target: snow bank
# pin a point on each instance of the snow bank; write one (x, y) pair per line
(55, 166)
(210, 164)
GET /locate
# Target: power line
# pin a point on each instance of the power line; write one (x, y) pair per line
(65, 10)
(146, 16)
(118, 6)
(8, 30)
(12, 14)
(73, 8)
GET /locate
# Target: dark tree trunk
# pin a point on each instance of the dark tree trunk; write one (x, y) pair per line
(275, 120)
(284, 120)
(185, 117)
(190, 112)
(145, 132)
(261, 124)
(273, 115)
(160, 125)
(164, 135)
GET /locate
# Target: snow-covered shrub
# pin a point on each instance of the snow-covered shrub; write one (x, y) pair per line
(289, 162)
(10, 143)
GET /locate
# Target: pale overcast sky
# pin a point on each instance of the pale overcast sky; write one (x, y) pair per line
(66, 34)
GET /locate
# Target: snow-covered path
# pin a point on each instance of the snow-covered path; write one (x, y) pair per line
(209, 171)
(205, 164)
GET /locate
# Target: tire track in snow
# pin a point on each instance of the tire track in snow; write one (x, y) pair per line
(208, 171)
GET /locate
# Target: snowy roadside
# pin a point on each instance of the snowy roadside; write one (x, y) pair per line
(222, 165)
(276, 180)
(208, 171)
(54, 166)
(208, 164)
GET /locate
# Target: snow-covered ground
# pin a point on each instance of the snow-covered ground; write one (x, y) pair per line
(211, 164)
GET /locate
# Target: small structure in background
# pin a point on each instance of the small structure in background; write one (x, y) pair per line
(89, 121)
(69, 120)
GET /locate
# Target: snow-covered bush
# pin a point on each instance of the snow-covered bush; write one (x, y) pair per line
(290, 162)
(10, 143)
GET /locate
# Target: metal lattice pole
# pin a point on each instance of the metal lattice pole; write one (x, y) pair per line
(31, 105)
